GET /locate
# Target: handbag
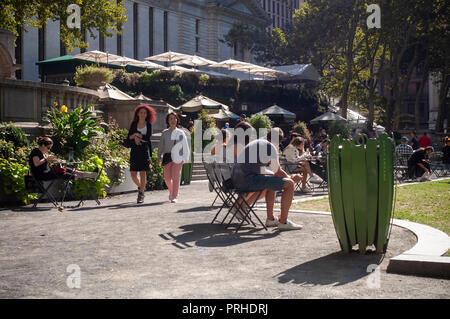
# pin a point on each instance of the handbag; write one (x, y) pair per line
(167, 158)
(127, 143)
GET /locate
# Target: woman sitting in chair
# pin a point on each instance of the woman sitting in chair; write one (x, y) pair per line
(39, 162)
(295, 153)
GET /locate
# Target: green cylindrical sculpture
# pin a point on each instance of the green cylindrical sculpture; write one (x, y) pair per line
(361, 189)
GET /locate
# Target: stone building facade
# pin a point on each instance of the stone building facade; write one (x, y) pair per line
(153, 27)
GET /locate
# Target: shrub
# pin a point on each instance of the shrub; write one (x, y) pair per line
(260, 122)
(110, 149)
(338, 128)
(14, 134)
(73, 130)
(12, 182)
(98, 187)
(92, 77)
(155, 176)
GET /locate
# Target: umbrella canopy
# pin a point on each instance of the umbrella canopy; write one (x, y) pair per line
(221, 115)
(328, 117)
(123, 61)
(297, 72)
(168, 56)
(230, 64)
(202, 102)
(111, 92)
(178, 68)
(259, 70)
(194, 61)
(97, 56)
(277, 111)
(147, 65)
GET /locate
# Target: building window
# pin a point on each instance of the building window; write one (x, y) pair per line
(18, 54)
(197, 44)
(264, 4)
(197, 26)
(83, 38)
(166, 36)
(135, 30)
(119, 36)
(101, 42)
(62, 47)
(41, 43)
(150, 30)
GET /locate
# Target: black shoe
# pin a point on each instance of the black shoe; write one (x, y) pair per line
(140, 198)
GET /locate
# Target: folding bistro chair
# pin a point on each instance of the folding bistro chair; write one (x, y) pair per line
(88, 189)
(213, 184)
(236, 197)
(42, 189)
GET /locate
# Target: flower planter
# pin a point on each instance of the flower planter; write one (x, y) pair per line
(361, 188)
(127, 186)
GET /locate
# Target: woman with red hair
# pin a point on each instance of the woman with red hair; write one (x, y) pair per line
(139, 134)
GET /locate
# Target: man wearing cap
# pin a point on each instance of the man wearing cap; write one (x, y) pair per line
(403, 151)
(243, 118)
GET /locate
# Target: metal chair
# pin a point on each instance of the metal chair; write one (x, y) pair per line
(42, 189)
(236, 197)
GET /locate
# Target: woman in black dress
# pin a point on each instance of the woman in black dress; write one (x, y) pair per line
(140, 133)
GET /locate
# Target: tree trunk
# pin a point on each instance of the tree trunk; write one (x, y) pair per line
(402, 88)
(419, 94)
(443, 111)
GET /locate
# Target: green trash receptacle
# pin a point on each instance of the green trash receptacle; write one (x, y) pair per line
(361, 189)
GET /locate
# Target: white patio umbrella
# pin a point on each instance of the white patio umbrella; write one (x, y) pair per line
(97, 56)
(230, 64)
(147, 65)
(178, 68)
(122, 61)
(328, 117)
(278, 111)
(194, 61)
(168, 56)
(259, 70)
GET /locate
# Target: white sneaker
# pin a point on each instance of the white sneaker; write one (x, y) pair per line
(315, 179)
(272, 223)
(289, 226)
(173, 200)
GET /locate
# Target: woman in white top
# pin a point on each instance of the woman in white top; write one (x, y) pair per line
(295, 153)
(174, 151)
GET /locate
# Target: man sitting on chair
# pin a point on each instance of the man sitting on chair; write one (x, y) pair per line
(258, 169)
(419, 164)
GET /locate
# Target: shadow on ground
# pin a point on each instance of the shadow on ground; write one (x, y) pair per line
(336, 269)
(216, 235)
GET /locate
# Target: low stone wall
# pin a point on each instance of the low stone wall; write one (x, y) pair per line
(26, 101)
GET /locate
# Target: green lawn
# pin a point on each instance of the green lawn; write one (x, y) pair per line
(425, 203)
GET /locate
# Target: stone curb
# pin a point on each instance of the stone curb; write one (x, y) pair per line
(424, 259)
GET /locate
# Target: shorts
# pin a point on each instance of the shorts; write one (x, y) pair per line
(261, 182)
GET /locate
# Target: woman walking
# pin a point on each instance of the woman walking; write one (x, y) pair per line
(173, 150)
(139, 134)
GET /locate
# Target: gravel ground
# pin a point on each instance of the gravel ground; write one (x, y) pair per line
(164, 250)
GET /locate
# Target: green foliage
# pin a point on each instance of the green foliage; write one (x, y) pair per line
(208, 123)
(12, 182)
(260, 122)
(339, 128)
(73, 130)
(109, 148)
(95, 188)
(102, 15)
(10, 132)
(92, 76)
(155, 176)
(302, 129)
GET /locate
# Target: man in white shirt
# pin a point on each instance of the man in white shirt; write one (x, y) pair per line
(258, 169)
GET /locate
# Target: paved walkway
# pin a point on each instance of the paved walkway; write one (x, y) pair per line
(164, 250)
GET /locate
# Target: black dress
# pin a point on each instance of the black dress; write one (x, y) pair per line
(140, 154)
